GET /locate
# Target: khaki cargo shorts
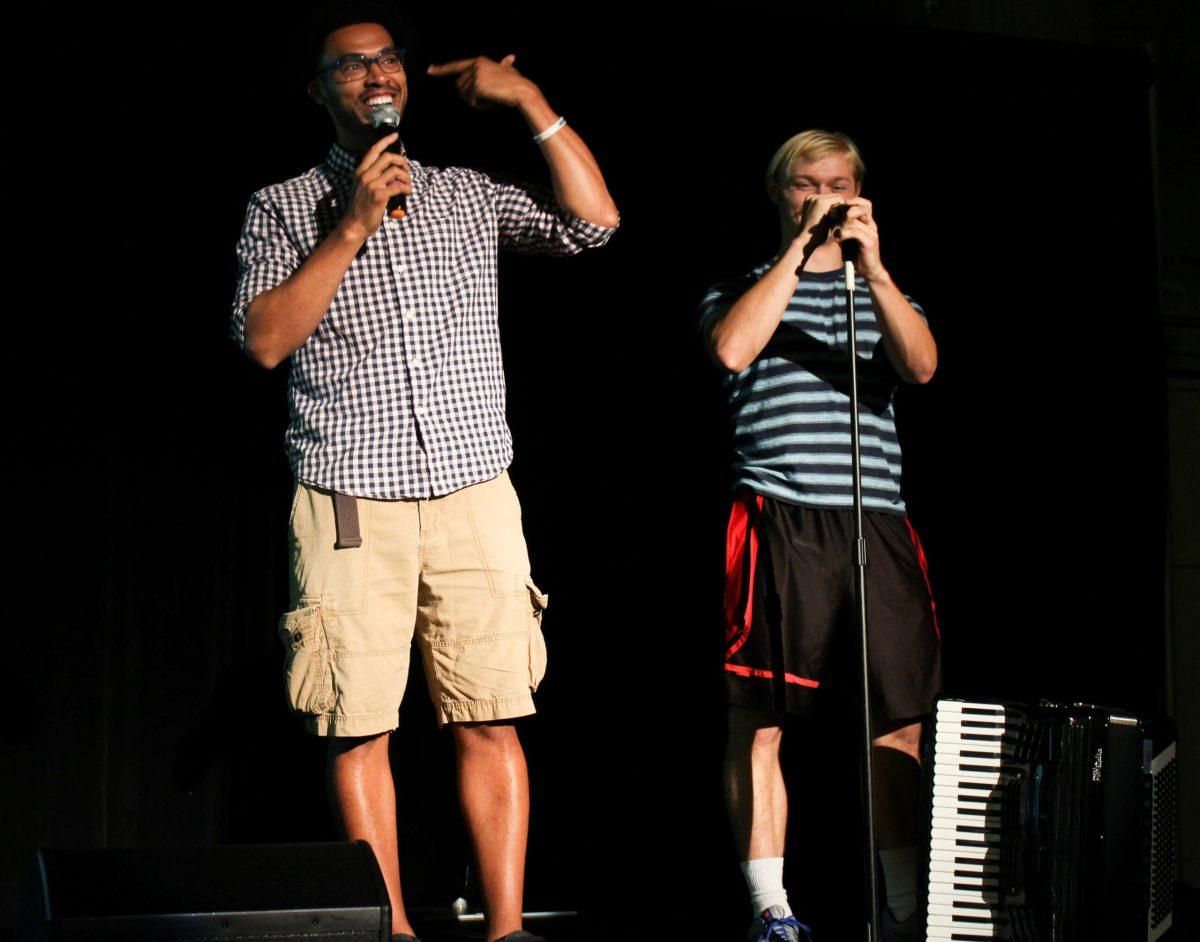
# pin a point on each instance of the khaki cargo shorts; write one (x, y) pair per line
(453, 571)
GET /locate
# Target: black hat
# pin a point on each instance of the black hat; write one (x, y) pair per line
(332, 16)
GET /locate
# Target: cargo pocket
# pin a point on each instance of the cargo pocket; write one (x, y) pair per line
(537, 643)
(306, 673)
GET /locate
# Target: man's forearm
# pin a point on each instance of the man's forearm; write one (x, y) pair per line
(280, 320)
(578, 183)
(740, 334)
(906, 337)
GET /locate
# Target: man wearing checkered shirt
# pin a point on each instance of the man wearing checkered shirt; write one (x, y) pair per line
(404, 521)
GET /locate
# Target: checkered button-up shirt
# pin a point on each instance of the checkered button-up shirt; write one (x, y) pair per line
(399, 392)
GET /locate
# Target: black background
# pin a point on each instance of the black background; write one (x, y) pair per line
(1013, 191)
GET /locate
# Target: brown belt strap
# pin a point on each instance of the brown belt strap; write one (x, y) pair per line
(345, 516)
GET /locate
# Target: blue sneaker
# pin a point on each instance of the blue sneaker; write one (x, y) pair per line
(774, 925)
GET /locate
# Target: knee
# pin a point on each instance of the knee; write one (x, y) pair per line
(754, 732)
(347, 751)
(905, 739)
(496, 737)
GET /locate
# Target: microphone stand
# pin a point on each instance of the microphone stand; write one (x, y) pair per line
(860, 593)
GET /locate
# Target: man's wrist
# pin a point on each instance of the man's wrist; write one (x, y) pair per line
(535, 109)
(801, 247)
(351, 232)
(879, 279)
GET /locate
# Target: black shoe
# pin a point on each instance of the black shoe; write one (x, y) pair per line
(890, 930)
(520, 936)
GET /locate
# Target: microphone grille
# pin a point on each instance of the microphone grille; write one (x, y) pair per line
(385, 116)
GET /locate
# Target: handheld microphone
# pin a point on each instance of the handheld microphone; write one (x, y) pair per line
(850, 247)
(385, 119)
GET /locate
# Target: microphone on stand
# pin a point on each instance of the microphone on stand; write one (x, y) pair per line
(385, 119)
(850, 247)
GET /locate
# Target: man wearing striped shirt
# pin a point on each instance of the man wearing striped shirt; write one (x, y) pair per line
(404, 522)
(779, 333)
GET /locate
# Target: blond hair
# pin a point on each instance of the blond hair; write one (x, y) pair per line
(808, 146)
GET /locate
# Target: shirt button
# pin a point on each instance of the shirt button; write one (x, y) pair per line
(414, 361)
(398, 268)
(419, 410)
(410, 316)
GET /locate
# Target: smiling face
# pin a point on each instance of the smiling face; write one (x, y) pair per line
(350, 103)
(833, 173)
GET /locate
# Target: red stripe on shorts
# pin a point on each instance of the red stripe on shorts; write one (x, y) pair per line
(912, 533)
(741, 558)
(771, 675)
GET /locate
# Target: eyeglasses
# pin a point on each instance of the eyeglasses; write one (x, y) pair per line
(352, 67)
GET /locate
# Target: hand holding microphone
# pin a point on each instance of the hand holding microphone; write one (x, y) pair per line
(855, 231)
(837, 220)
(379, 177)
(385, 119)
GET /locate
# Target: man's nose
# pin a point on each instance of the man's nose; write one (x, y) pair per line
(375, 73)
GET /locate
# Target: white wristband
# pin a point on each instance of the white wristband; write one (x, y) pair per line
(550, 131)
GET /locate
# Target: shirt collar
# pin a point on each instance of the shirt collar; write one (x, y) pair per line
(341, 160)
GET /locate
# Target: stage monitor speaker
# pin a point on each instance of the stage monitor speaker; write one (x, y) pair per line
(268, 891)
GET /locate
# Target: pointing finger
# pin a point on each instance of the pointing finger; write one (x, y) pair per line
(509, 59)
(450, 68)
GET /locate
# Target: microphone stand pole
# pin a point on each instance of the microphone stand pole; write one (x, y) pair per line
(860, 595)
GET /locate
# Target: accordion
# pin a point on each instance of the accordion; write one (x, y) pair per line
(1048, 823)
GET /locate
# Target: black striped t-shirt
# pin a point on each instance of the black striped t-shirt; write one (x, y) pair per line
(790, 408)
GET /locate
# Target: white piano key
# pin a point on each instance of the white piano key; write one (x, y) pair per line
(956, 802)
(940, 933)
(948, 883)
(977, 784)
(990, 760)
(950, 909)
(979, 878)
(976, 791)
(951, 878)
(971, 853)
(948, 834)
(942, 919)
(967, 748)
(943, 896)
(952, 707)
(946, 773)
(949, 731)
(949, 866)
(948, 854)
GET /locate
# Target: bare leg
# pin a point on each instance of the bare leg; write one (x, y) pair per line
(896, 758)
(755, 796)
(363, 798)
(493, 788)
(897, 765)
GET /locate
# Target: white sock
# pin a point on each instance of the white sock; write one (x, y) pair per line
(900, 880)
(764, 879)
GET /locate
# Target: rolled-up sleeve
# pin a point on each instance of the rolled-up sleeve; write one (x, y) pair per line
(530, 220)
(719, 299)
(266, 255)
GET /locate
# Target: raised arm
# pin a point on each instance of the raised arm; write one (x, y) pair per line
(906, 337)
(736, 337)
(579, 186)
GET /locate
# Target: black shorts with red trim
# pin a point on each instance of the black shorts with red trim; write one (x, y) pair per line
(791, 623)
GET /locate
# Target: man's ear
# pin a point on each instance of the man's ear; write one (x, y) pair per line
(316, 93)
(774, 194)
